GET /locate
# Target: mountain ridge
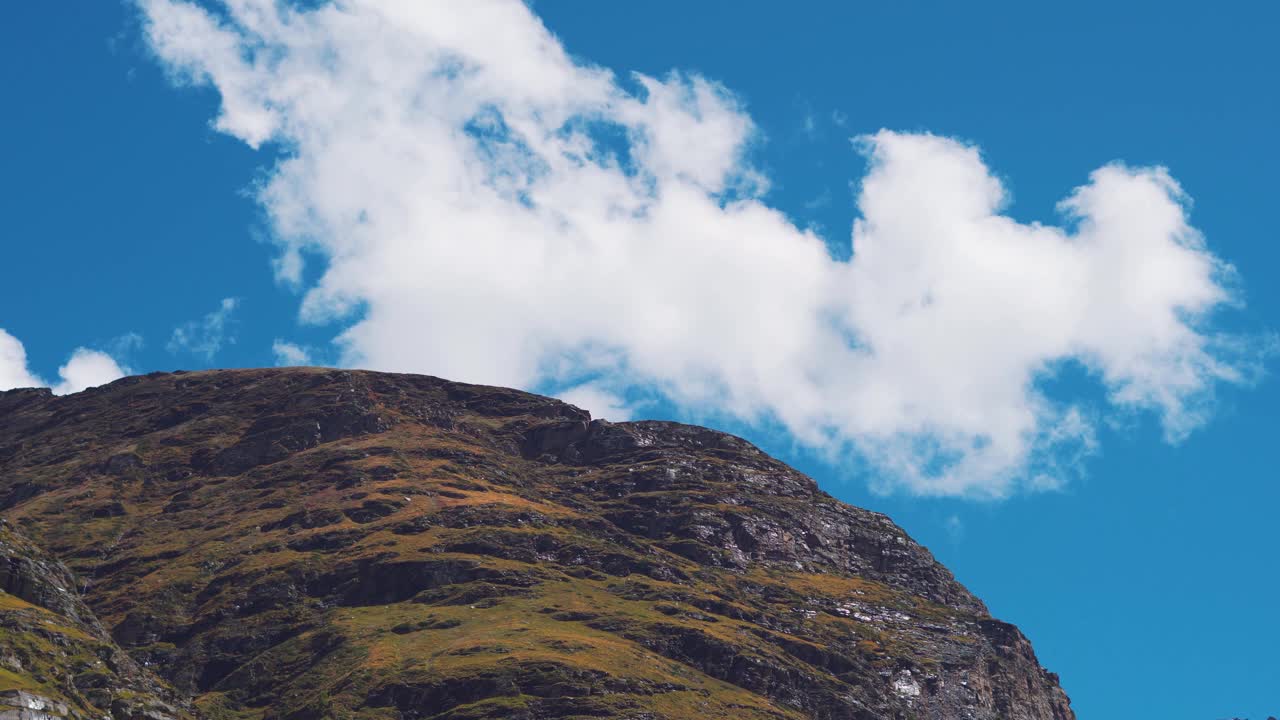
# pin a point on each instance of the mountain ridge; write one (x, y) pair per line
(306, 542)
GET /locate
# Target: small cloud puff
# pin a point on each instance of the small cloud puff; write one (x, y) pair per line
(288, 354)
(601, 403)
(205, 337)
(84, 369)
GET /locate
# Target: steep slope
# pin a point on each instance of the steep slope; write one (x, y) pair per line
(312, 543)
(55, 658)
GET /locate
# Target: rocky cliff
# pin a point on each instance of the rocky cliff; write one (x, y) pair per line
(312, 543)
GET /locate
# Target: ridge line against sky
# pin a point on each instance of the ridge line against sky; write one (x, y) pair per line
(607, 239)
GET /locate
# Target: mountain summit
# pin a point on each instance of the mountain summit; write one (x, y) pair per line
(309, 543)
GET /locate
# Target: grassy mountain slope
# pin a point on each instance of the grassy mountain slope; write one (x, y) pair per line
(310, 543)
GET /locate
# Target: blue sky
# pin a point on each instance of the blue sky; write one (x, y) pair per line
(1121, 511)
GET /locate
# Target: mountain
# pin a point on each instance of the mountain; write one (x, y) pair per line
(309, 543)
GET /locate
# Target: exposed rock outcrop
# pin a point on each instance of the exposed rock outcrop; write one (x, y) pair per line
(56, 661)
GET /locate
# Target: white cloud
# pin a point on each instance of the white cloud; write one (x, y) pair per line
(289, 354)
(13, 364)
(597, 400)
(206, 336)
(84, 369)
(489, 209)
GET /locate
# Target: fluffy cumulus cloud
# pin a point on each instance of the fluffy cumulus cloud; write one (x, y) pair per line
(13, 364)
(84, 369)
(482, 206)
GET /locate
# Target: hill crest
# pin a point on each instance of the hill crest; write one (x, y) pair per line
(305, 543)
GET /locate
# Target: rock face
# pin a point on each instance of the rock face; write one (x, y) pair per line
(56, 661)
(311, 543)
